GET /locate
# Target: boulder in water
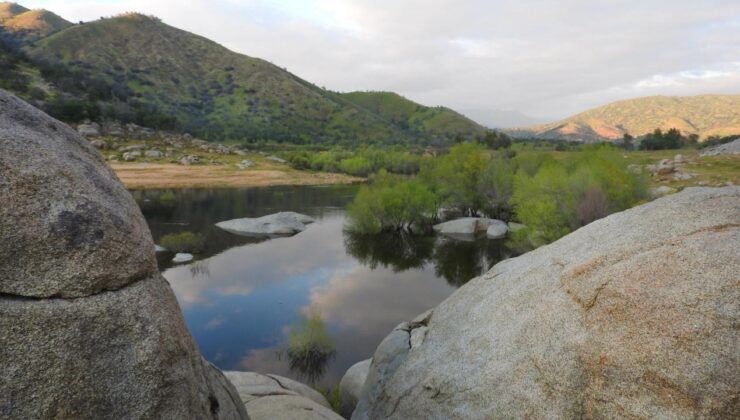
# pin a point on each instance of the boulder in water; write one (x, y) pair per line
(279, 224)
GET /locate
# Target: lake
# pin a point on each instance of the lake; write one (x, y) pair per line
(251, 304)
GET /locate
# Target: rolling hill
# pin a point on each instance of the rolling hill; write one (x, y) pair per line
(705, 115)
(30, 25)
(134, 67)
(437, 122)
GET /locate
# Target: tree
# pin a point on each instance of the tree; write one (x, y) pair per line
(627, 141)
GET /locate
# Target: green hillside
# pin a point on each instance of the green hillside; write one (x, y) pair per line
(437, 122)
(705, 115)
(136, 68)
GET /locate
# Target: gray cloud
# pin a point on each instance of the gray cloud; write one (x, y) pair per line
(497, 61)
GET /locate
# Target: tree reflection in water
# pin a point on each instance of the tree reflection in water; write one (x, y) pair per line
(309, 347)
(457, 261)
(397, 251)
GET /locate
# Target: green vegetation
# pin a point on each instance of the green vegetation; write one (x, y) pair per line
(182, 242)
(551, 196)
(703, 115)
(563, 195)
(309, 347)
(717, 140)
(359, 162)
(438, 123)
(672, 139)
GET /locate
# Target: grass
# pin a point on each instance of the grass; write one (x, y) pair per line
(165, 172)
(711, 171)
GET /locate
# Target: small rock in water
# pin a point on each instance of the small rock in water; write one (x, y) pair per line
(158, 248)
(497, 229)
(182, 257)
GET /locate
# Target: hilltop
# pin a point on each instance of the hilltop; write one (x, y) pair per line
(704, 115)
(438, 122)
(30, 25)
(136, 68)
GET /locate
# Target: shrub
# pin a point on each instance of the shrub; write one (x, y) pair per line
(182, 242)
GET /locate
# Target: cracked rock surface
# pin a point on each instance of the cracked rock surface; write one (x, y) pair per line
(276, 397)
(89, 329)
(632, 316)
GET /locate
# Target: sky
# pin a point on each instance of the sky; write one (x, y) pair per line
(502, 63)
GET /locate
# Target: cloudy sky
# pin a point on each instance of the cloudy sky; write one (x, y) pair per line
(502, 63)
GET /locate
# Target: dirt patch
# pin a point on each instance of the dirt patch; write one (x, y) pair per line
(165, 175)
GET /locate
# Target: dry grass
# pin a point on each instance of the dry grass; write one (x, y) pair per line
(169, 175)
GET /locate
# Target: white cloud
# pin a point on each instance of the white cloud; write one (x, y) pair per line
(541, 58)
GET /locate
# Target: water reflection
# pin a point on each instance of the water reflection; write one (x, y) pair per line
(254, 304)
(457, 261)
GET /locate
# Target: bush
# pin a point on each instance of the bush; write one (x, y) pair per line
(563, 196)
(391, 204)
(182, 242)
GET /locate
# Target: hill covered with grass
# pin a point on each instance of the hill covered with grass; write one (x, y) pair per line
(704, 115)
(135, 68)
(437, 122)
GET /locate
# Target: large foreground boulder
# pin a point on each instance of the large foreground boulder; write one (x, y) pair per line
(633, 316)
(88, 326)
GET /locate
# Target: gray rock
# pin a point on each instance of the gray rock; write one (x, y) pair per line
(661, 191)
(464, 226)
(89, 129)
(682, 176)
(679, 159)
(288, 407)
(246, 163)
(253, 385)
(632, 316)
(131, 156)
(189, 160)
(497, 229)
(278, 224)
(159, 248)
(182, 257)
(114, 129)
(351, 385)
(72, 229)
(155, 154)
(88, 326)
(99, 144)
(276, 159)
(731, 148)
(122, 354)
(133, 147)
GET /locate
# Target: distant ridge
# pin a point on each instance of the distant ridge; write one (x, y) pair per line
(705, 115)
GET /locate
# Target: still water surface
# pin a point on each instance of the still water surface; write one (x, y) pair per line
(243, 298)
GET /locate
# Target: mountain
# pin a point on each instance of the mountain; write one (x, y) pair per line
(136, 68)
(30, 25)
(705, 115)
(437, 122)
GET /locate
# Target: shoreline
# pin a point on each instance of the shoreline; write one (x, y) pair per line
(168, 175)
